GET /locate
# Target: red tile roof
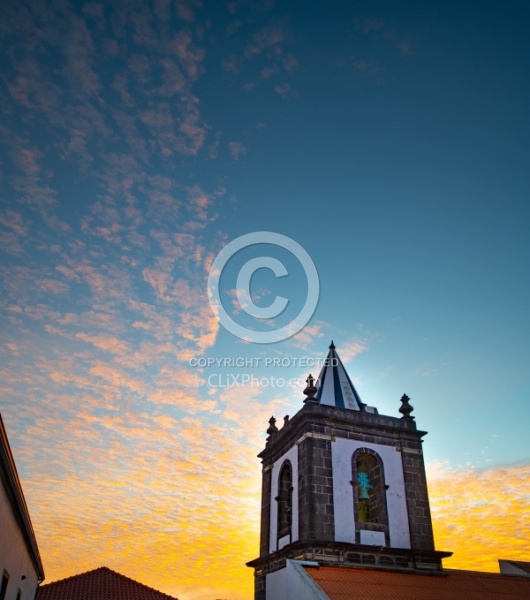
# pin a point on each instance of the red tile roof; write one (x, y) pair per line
(99, 584)
(343, 583)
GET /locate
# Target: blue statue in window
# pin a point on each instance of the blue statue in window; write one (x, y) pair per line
(364, 506)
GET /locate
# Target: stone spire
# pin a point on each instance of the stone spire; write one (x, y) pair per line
(334, 384)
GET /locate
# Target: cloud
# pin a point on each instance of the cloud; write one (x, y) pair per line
(52, 285)
(124, 455)
(106, 343)
(232, 64)
(174, 81)
(159, 491)
(237, 149)
(480, 515)
(373, 69)
(185, 10)
(14, 239)
(350, 349)
(290, 63)
(134, 514)
(379, 29)
(268, 39)
(283, 89)
(308, 335)
(190, 57)
(243, 407)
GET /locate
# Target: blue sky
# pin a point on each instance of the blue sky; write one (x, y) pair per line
(390, 140)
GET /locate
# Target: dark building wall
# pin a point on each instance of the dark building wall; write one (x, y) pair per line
(418, 507)
(265, 511)
(315, 478)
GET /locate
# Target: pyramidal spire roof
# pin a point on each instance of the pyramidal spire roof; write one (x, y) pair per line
(335, 387)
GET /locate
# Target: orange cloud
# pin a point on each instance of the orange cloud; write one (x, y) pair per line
(480, 515)
(162, 507)
(173, 499)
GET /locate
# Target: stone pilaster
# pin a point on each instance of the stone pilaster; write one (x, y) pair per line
(265, 511)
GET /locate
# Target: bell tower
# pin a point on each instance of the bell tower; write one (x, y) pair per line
(343, 485)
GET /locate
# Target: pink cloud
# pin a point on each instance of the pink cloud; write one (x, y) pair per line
(106, 343)
(52, 286)
(174, 80)
(378, 29)
(237, 149)
(269, 38)
(351, 349)
(27, 160)
(308, 335)
(190, 57)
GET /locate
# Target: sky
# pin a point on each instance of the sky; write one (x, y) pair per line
(387, 142)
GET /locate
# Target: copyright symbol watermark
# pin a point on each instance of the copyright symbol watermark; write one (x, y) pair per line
(243, 287)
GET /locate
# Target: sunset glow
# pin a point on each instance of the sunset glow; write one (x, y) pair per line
(388, 140)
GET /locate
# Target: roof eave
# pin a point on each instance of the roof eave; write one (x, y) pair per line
(18, 503)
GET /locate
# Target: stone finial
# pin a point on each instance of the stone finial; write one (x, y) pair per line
(272, 430)
(285, 420)
(406, 408)
(310, 390)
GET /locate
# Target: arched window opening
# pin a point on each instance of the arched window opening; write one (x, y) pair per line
(370, 491)
(285, 500)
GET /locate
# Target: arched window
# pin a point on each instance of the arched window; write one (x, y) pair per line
(369, 491)
(285, 500)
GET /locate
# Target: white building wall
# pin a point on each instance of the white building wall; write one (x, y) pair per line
(341, 454)
(507, 567)
(292, 583)
(14, 555)
(276, 585)
(291, 455)
(300, 586)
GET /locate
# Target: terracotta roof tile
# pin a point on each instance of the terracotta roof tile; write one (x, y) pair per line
(99, 584)
(343, 583)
